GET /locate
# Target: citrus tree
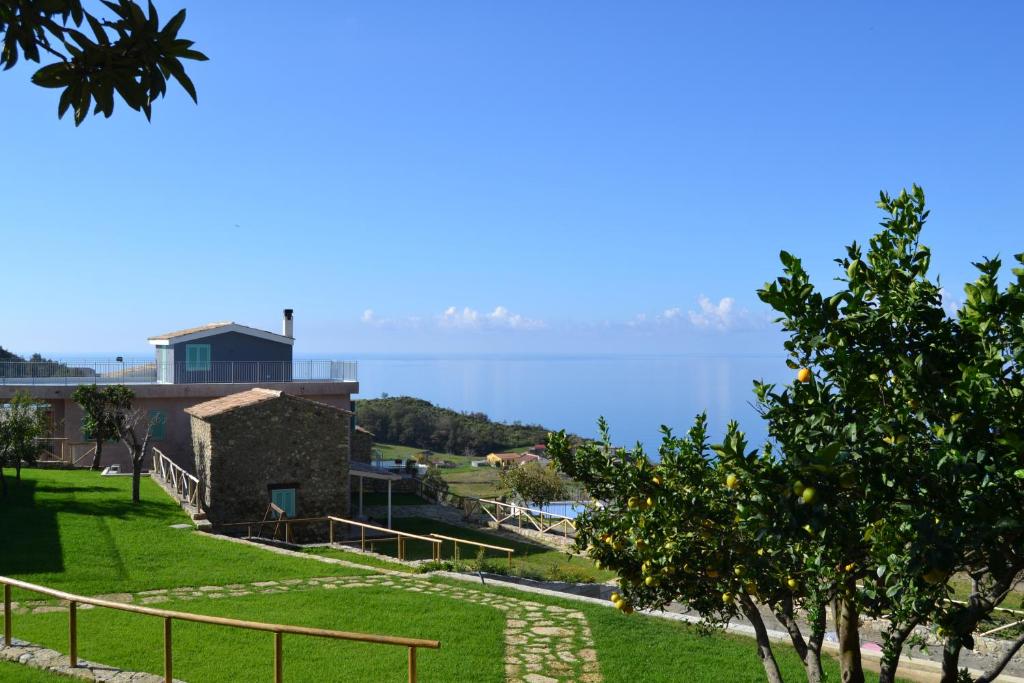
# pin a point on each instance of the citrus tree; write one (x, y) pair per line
(672, 531)
(123, 52)
(97, 418)
(533, 483)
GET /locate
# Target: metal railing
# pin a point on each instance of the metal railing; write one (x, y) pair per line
(185, 485)
(180, 372)
(169, 616)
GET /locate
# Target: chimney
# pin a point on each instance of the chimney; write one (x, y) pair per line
(286, 324)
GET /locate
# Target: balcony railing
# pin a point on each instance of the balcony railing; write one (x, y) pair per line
(149, 372)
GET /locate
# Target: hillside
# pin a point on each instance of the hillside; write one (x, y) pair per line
(408, 421)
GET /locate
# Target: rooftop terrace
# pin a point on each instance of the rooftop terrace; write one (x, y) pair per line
(18, 373)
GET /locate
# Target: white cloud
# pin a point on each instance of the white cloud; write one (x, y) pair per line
(720, 316)
(453, 317)
(368, 316)
(672, 313)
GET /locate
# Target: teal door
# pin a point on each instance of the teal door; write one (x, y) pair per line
(284, 499)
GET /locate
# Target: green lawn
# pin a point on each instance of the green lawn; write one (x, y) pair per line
(80, 532)
(16, 673)
(529, 559)
(469, 635)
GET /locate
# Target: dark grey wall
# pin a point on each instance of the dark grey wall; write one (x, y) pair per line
(240, 348)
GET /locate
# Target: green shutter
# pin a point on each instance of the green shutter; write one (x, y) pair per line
(197, 357)
(157, 425)
(284, 499)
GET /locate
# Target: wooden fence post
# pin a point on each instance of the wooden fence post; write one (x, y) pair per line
(332, 531)
(412, 665)
(278, 658)
(168, 649)
(73, 632)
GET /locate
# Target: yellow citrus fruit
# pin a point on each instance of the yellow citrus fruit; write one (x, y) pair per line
(732, 481)
(804, 375)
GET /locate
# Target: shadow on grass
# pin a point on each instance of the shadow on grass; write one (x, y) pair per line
(29, 534)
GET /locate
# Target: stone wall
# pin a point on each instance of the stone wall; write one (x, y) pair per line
(362, 446)
(285, 442)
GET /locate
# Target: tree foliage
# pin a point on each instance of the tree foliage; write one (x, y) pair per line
(533, 483)
(124, 53)
(417, 423)
(22, 423)
(98, 415)
(894, 460)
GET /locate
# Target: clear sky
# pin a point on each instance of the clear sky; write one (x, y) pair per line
(518, 176)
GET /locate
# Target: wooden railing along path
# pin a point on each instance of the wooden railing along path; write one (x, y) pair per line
(543, 522)
(400, 536)
(185, 485)
(457, 541)
(169, 616)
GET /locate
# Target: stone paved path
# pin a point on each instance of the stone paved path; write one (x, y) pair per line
(543, 643)
(50, 660)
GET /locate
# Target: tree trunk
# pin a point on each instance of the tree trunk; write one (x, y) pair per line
(812, 662)
(893, 650)
(764, 646)
(3, 483)
(951, 660)
(99, 454)
(847, 629)
(17, 470)
(809, 651)
(136, 478)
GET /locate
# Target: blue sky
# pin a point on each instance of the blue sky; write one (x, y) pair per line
(494, 177)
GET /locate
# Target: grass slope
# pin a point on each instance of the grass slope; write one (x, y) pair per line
(470, 637)
(530, 557)
(80, 532)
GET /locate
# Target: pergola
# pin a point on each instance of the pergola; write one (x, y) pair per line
(366, 471)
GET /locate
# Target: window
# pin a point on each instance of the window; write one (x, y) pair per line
(88, 435)
(157, 425)
(197, 356)
(284, 499)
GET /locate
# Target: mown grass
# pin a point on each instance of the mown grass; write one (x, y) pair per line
(80, 532)
(360, 558)
(530, 559)
(470, 637)
(18, 673)
(638, 647)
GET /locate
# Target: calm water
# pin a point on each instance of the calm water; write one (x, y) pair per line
(636, 394)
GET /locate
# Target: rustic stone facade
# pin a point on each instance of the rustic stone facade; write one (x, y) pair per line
(249, 443)
(362, 445)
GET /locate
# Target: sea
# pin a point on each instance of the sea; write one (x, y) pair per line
(636, 394)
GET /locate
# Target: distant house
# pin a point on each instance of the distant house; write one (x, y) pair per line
(190, 366)
(511, 459)
(264, 446)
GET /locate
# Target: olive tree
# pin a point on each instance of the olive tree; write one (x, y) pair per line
(126, 54)
(97, 417)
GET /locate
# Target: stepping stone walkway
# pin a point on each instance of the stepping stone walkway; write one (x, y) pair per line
(42, 658)
(543, 643)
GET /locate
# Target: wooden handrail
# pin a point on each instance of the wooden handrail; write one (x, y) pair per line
(169, 615)
(457, 541)
(374, 527)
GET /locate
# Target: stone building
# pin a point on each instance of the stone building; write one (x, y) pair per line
(261, 446)
(362, 445)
